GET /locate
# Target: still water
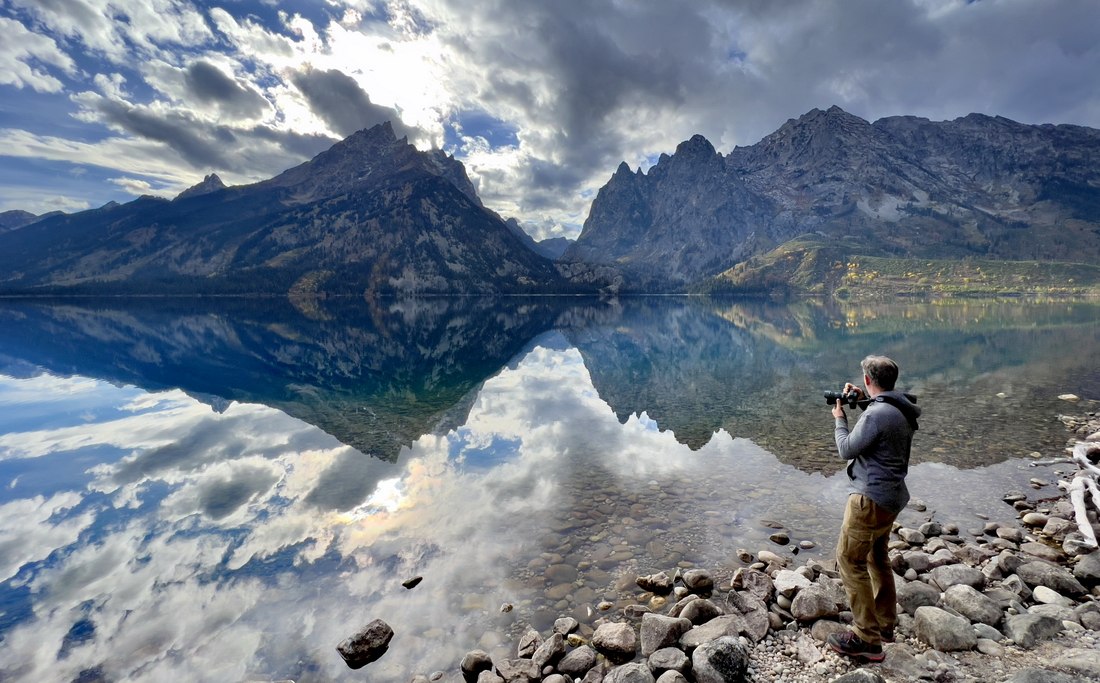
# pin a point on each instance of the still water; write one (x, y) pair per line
(197, 490)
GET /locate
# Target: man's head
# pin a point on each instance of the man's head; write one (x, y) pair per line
(880, 371)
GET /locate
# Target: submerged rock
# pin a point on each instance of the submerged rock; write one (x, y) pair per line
(367, 645)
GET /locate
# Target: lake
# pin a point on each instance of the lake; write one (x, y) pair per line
(223, 490)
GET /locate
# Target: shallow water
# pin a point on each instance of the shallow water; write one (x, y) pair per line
(195, 490)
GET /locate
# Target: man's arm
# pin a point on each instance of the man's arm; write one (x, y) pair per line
(851, 444)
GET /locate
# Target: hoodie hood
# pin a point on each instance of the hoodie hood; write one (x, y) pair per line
(906, 403)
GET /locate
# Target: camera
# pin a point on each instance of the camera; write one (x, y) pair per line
(851, 398)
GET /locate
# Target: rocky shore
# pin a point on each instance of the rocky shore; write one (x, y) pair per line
(1018, 603)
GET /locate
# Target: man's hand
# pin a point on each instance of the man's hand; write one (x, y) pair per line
(838, 409)
(850, 388)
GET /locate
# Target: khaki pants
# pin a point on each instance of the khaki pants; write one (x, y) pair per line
(864, 565)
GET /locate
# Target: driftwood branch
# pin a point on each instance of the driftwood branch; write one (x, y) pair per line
(1080, 456)
(1076, 490)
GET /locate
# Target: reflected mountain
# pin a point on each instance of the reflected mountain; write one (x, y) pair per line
(379, 375)
(757, 370)
(376, 376)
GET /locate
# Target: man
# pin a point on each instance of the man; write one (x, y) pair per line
(877, 451)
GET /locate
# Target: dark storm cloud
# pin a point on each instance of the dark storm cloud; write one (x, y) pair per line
(199, 146)
(339, 101)
(210, 85)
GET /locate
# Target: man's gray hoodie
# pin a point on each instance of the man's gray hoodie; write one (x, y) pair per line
(877, 449)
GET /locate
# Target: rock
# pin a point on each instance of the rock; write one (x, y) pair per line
(725, 625)
(367, 645)
(616, 641)
(813, 603)
(821, 630)
(700, 611)
(528, 643)
(698, 580)
(972, 604)
(659, 632)
(1043, 551)
(660, 583)
(1056, 528)
(1049, 597)
(1034, 519)
(780, 537)
(409, 584)
(636, 611)
(917, 560)
(577, 662)
(805, 651)
(566, 625)
(678, 608)
(1084, 663)
(556, 678)
(988, 632)
(916, 594)
(669, 659)
(758, 584)
(672, 677)
(1068, 397)
(1012, 534)
(1087, 569)
(911, 536)
(1028, 629)
(1041, 676)
(518, 670)
(1088, 615)
(990, 647)
(724, 660)
(1059, 612)
(486, 677)
(787, 582)
(474, 663)
(944, 631)
(956, 574)
(1054, 578)
(860, 676)
(552, 649)
(629, 673)
(771, 558)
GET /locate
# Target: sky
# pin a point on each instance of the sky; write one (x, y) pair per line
(106, 100)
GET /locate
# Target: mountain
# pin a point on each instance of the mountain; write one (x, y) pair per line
(10, 220)
(371, 215)
(975, 187)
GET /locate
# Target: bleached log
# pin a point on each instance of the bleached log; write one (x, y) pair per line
(1076, 490)
(1079, 456)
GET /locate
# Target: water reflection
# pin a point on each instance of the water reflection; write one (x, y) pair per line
(203, 495)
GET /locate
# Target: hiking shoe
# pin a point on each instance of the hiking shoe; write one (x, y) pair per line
(888, 635)
(850, 644)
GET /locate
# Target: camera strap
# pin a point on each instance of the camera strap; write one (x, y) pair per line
(892, 400)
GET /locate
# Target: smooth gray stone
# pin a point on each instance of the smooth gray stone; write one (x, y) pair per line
(813, 603)
(616, 641)
(943, 631)
(1087, 569)
(474, 663)
(671, 677)
(1055, 578)
(1028, 629)
(669, 659)
(719, 627)
(916, 594)
(955, 574)
(577, 663)
(973, 605)
(700, 611)
(1080, 661)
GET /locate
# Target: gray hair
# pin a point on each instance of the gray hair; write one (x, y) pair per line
(882, 371)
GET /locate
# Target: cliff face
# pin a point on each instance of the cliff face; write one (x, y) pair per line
(978, 186)
(370, 215)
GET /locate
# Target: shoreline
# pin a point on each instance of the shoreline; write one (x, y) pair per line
(1007, 600)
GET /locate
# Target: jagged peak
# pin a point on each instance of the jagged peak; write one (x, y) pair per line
(211, 183)
(697, 145)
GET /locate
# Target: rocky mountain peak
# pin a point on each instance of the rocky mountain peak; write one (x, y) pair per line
(697, 147)
(211, 183)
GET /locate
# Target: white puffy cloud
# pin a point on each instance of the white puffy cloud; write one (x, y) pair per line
(22, 51)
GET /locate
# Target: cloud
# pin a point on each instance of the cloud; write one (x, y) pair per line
(208, 84)
(338, 100)
(19, 53)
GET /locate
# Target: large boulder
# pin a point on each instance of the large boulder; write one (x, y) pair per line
(474, 663)
(916, 594)
(366, 645)
(1087, 569)
(725, 625)
(700, 611)
(669, 659)
(944, 631)
(724, 660)
(955, 574)
(813, 603)
(552, 649)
